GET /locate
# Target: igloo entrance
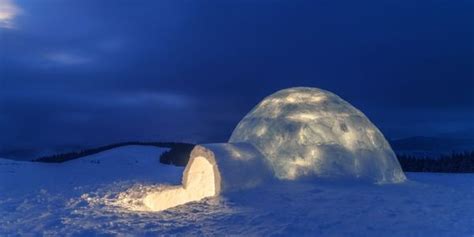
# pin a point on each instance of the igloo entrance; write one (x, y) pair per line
(212, 169)
(199, 181)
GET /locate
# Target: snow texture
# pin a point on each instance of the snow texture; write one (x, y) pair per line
(307, 132)
(102, 195)
(211, 170)
(240, 166)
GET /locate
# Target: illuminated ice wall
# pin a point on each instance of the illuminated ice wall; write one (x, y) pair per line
(213, 169)
(304, 132)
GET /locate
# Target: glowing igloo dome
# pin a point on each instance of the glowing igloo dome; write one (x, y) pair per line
(304, 132)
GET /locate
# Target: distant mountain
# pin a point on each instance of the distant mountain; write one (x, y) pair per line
(431, 146)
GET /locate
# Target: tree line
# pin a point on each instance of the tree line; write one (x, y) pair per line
(457, 162)
(176, 147)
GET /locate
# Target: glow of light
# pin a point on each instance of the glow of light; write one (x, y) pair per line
(239, 154)
(8, 11)
(261, 130)
(302, 117)
(304, 97)
(295, 98)
(198, 183)
(350, 139)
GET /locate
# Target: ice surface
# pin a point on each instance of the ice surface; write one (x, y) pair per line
(240, 165)
(306, 132)
(211, 170)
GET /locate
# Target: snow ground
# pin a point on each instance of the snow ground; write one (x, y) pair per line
(101, 195)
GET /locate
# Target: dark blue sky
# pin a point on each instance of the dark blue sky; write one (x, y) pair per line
(93, 71)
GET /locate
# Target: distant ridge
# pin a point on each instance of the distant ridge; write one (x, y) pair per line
(431, 146)
(177, 148)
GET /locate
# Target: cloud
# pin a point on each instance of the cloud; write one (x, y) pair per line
(8, 12)
(65, 58)
(73, 100)
(166, 99)
(77, 116)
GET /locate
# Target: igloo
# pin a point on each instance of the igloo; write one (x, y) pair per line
(295, 133)
(309, 132)
(213, 169)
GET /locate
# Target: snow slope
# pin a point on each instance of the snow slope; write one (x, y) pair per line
(102, 195)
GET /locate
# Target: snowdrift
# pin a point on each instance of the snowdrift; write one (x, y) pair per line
(213, 169)
(304, 132)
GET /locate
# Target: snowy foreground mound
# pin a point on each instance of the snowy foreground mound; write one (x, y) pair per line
(312, 132)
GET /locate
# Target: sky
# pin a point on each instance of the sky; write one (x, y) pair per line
(92, 72)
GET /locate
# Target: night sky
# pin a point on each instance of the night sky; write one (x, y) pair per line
(90, 72)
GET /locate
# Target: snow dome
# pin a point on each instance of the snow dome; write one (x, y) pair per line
(309, 132)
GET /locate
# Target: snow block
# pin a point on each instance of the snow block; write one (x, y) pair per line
(304, 132)
(239, 165)
(213, 169)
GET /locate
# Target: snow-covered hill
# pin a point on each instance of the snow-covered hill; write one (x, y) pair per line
(101, 195)
(129, 163)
